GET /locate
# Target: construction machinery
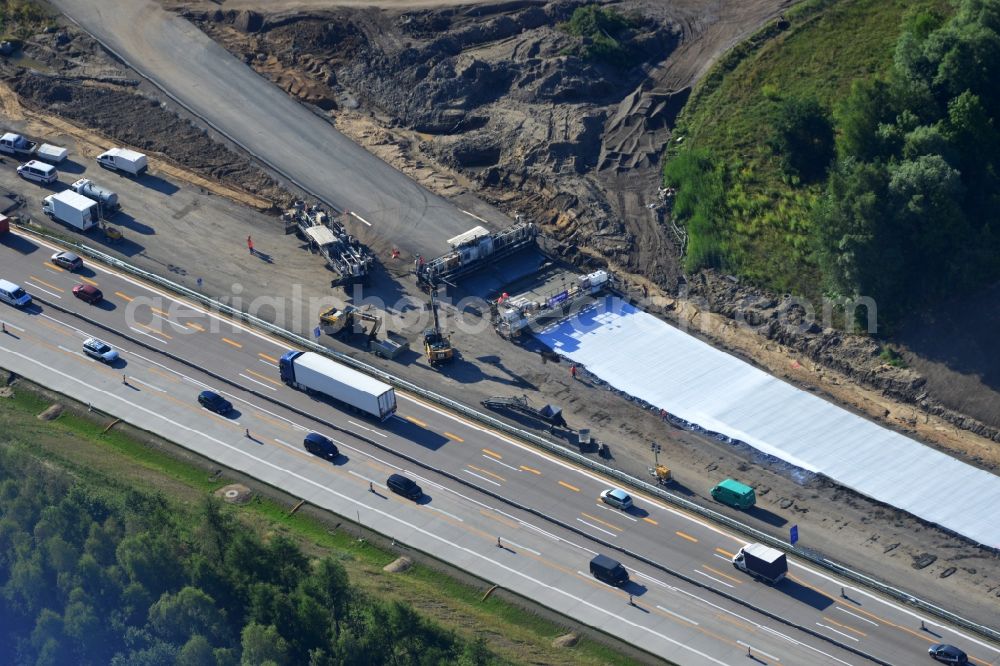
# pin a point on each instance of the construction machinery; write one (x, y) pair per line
(335, 321)
(511, 315)
(549, 414)
(473, 250)
(437, 345)
(662, 474)
(344, 254)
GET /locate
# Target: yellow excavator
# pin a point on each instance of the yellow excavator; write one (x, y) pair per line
(437, 346)
(335, 321)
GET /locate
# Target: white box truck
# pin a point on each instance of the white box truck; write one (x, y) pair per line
(107, 198)
(123, 160)
(312, 372)
(71, 208)
(760, 561)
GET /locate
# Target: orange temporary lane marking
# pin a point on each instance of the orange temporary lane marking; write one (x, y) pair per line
(415, 421)
(159, 311)
(454, 437)
(121, 295)
(844, 626)
(855, 609)
(484, 471)
(233, 343)
(686, 536)
(719, 573)
(266, 357)
(50, 286)
(725, 552)
(650, 521)
(197, 327)
(53, 267)
(531, 469)
(264, 377)
(89, 281)
(566, 485)
(602, 522)
(150, 328)
(493, 454)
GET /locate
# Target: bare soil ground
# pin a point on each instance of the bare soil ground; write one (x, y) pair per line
(867, 536)
(488, 97)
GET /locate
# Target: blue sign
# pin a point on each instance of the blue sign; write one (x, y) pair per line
(558, 298)
(794, 534)
(317, 332)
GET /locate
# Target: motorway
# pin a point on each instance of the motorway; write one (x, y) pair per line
(467, 507)
(223, 91)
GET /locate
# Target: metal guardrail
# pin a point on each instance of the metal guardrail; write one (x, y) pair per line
(496, 424)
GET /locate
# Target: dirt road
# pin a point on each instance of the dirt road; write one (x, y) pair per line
(223, 91)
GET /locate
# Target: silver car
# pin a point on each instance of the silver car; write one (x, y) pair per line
(100, 350)
(67, 260)
(617, 498)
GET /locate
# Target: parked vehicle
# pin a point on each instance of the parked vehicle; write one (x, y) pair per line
(617, 498)
(762, 562)
(309, 371)
(15, 144)
(67, 260)
(39, 172)
(12, 294)
(609, 571)
(107, 199)
(100, 350)
(321, 446)
(88, 293)
(72, 209)
(51, 154)
(735, 494)
(215, 402)
(948, 654)
(124, 160)
(405, 486)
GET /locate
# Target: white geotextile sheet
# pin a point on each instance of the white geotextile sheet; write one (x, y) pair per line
(646, 358)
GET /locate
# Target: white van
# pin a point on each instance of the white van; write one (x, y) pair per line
(40, 172)
(13, 294)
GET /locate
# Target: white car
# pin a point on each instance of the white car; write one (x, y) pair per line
(617, 498)
(100, 350)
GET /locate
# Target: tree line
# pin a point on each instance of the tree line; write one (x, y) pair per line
(902, 173)
(97, 574)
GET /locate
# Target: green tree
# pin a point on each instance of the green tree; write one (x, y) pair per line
(263, 645)
(803, 138)
(175, 617)
(870, 105)
(196, 652)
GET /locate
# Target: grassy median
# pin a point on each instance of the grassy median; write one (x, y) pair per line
(76, 442)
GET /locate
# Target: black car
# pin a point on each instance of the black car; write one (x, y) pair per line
(215, 402)
(948, 654)
(404, 486)
(321, 446)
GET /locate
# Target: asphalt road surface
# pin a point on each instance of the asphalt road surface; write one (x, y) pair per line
(231, 97)
(455, 521)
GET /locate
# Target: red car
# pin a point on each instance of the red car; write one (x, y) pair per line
(88, 293)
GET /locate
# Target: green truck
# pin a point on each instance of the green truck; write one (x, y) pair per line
(735, 494)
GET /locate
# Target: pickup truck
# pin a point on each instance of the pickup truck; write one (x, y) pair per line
(15, 144)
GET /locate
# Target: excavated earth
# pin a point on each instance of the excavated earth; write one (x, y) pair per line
(489, 98)
(494, 94)
(67, 73)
